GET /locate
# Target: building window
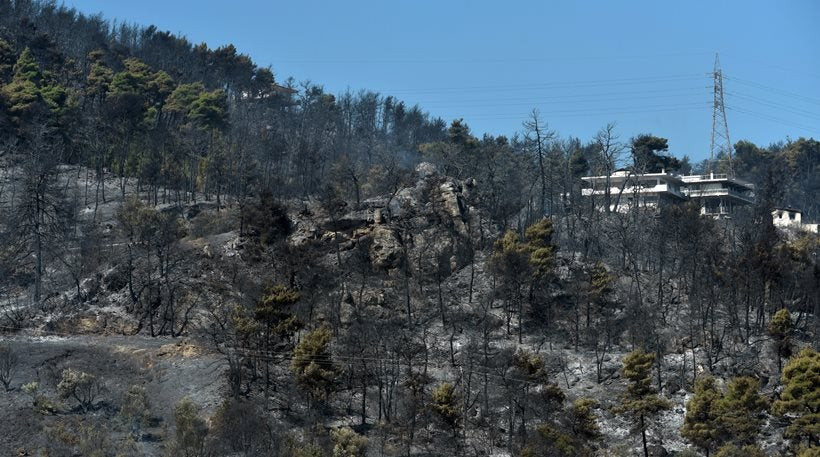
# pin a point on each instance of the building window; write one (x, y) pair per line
(791, 216)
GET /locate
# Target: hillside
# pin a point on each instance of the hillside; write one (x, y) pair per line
(199, 259)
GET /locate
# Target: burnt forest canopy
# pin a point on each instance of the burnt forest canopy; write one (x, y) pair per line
(200, 257)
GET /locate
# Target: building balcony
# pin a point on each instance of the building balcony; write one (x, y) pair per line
(744, 197)
(655, 190)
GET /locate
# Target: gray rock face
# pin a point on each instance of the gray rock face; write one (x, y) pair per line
(430, 221)
(426, 170)
(386, 250)
(452, 202)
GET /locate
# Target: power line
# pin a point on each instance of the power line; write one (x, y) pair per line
(774, 89)
(570, 96)
(451, 60)
(775, 105)
(564, 84)
(580, 98)
(767, 117)
(570, 113)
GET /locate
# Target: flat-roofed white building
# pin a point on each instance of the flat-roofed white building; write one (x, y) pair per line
(718, 194)
(626, 189)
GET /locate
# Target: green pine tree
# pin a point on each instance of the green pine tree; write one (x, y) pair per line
(22, 94)
(800, 399)
(780, 329)
(539, 243)
(273, 311)
(312, 365)
(584, 422)
(739, 411)
(641, 401)
(701, 423)
(731, 450)
(191, 430)
(446, 403)
(348, 443)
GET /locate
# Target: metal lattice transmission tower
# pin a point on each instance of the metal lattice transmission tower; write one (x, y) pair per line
(720, 128)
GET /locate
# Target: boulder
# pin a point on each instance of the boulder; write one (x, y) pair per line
(386, 250)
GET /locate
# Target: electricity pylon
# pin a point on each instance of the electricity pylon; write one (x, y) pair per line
(720, 128)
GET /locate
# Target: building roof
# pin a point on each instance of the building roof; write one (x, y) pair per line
(789, 209)
(626, 174)
(717, 177)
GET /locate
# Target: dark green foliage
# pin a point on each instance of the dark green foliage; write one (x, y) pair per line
(23, 93)
(99, 80)
(312, 365)
(800, 399)
(182, 123)
(555, 443)
(730, 450)
(647, 153)
(578, 164)
(348, 443)
(641, 401)
(700, 426)
(210, 110)
(446, 402)
(714, 417)
(133, 80)
(539, 242)
(529, 365)
(584, 421)
(780, 329)
(182, 99)
(741, 410)
(796, 166)
(190, 430)
(600, 283)
(80, 386)
(274, 311)
(510, 256)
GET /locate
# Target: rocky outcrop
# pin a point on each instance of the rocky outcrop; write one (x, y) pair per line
(430, 221)
(386, 250)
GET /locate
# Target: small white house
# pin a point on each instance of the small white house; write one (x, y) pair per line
(791, 218)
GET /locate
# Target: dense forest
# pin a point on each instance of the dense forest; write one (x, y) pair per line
(200, 259)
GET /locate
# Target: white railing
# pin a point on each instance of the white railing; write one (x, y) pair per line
(698, 193)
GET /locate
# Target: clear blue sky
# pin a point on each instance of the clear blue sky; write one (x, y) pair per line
(642, 64)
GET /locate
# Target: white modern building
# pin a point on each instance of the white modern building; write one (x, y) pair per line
(717, 194)
(626, 189)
